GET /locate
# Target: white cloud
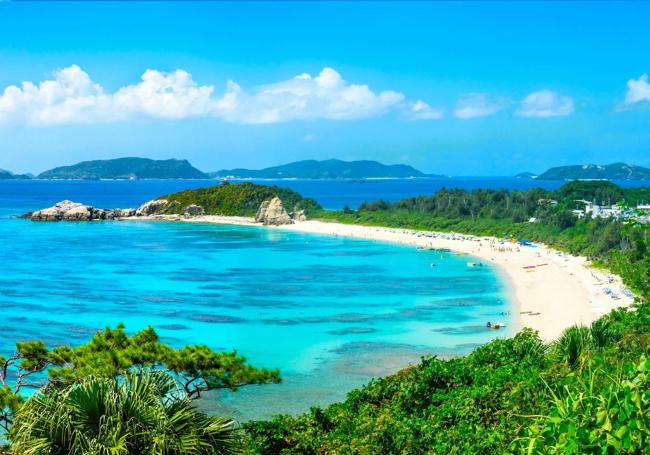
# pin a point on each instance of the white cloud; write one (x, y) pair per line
(638, 90)
(475, 105)
(72, 97)
(545, 103)
(164, 95)
(419, 110)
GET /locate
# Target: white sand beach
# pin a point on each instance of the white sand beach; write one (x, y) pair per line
(550, 290)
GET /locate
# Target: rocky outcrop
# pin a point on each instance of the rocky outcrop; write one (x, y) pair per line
(124, 213)
(87, 213)
(299, 215)
(71, 211)
(270, 213)
(151, 207)
(194, 210)
(273, 213)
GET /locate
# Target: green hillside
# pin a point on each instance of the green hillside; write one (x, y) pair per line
(242, 199)
(126, 168)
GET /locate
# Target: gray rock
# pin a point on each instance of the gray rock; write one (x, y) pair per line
(85, 213)
(71, 211)
(299, 215)
(193, 210)
(273, 213)
(151, 207)
(124, 213)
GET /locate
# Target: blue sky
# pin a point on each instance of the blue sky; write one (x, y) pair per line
(456, 88)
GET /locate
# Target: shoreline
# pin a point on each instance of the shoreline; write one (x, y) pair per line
(549, 290)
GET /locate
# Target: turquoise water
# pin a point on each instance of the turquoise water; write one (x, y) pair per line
(329, 312)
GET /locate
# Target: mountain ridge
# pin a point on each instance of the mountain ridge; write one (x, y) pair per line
(613, 171)
(128, 168)
(8, 175)
(325, 169)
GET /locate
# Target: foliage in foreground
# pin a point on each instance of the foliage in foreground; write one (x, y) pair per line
(586, 393)
(138, 413)
(112, 353)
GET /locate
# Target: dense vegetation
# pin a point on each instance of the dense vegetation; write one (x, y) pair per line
(140, 412)
(126, 168)
(326, 169)
(587, 393)
(242, 199)
(623, 246)
(112, 354)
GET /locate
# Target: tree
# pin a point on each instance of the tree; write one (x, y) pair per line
(140, 412)
(112, 353)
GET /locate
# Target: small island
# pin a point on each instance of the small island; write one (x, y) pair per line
(269, 205)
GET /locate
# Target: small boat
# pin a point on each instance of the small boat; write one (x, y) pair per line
(432, 265)
(495, 326)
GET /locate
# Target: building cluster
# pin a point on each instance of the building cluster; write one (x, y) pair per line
(640, 213)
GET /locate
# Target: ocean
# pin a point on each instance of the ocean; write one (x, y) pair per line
(330, 313)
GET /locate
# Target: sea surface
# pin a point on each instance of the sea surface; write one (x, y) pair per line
(329, 312)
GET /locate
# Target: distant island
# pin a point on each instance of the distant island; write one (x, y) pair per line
(126, 169)
(526, 175)
(326, 169)
(614, 171)
(7, 175)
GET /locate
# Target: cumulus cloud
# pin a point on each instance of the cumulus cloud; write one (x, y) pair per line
(419, 110)
(638, 91)
(326, 96)
(72, 97)
(475, 105)
(545, 103)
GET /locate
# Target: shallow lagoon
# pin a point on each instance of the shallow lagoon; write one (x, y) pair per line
(330, 312)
